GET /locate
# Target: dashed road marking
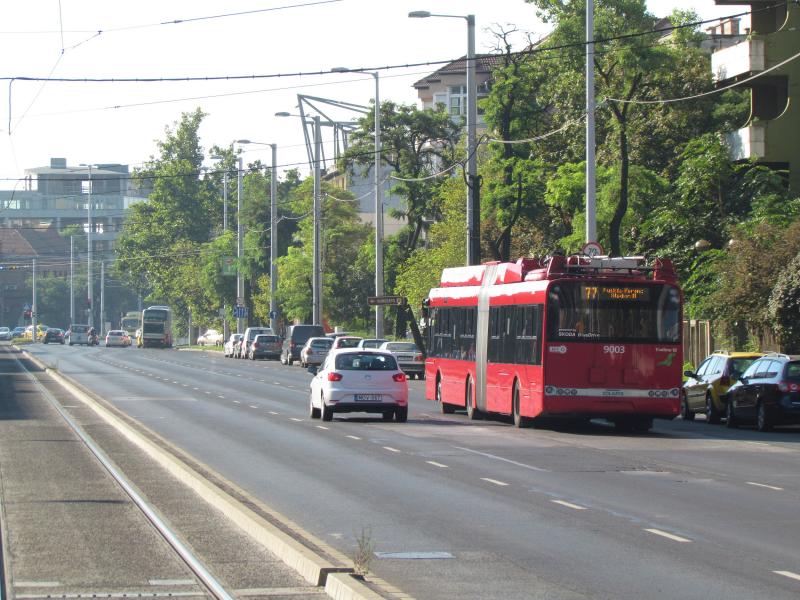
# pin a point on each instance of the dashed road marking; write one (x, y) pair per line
(354, 437)
(764, 485)
(236, 402)
(500, 458)
(669, 536)
(437, 464)
(494, 481)
(390, 449)
(253, 406)
(788, 574)
(568, 504)
(272, 412)
(223, 397)
(322, 427)
(295, 419)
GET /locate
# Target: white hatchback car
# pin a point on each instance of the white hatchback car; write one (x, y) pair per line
(354, 380)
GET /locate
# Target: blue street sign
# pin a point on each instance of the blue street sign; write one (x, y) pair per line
(240, 312)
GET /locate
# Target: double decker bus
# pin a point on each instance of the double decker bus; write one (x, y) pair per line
(131, 322)
(156, 328)
(573, 337)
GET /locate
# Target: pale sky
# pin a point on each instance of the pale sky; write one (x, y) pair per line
(120, 122)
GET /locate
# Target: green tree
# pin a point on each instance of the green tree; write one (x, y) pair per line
(783, 309)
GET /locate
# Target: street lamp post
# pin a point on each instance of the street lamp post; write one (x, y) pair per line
(378, 203)
(239, 244)
(273, 233)
(473, 184)
(316, 279)
(89, 296)
(224, 230)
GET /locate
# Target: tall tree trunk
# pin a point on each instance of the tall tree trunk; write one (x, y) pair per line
(622, 205)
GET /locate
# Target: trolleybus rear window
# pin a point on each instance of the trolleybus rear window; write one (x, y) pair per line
(601, 312)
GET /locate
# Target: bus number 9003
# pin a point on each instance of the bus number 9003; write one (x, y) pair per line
(613, 349)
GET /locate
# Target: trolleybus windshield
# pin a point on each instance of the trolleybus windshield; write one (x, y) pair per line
(579, 311)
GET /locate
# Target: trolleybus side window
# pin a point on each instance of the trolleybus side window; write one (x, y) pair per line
(515, 334)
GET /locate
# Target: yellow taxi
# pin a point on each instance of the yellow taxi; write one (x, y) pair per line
(705, 389)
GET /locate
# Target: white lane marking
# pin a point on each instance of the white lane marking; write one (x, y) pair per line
(236, 402)
(568, 504)
(185, 384)
(207, 392)
(171, 581)
(174, 382)
(437, 464)
(196, 389)
(253, 406)
(764, 485)
(354, 437)
(508, 460)
(322, 427)
(272, 412)
(276, 382)
(37, 583)
(223, 397)
(390, 449)
(788, 574)
(494, 481)
(295, 419)
(669, 536)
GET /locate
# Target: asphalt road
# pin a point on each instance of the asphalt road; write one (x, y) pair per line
(461, 509)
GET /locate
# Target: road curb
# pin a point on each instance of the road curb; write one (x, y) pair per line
(337, 580)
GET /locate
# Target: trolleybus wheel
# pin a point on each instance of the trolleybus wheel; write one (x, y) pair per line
(472, 412)
(519, 420)
(447, 409)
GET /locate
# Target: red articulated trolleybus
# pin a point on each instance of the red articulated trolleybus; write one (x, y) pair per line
(572, 337)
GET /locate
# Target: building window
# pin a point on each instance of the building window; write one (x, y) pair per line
(457, 104)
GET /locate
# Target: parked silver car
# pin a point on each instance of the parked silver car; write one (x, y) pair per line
(315, 350)
(231, 346)
(408, 356)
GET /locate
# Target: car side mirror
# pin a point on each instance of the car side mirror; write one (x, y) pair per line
(689, 374)
(312, 369)
(742, 378)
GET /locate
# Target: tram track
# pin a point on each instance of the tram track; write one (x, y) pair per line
(211, 584)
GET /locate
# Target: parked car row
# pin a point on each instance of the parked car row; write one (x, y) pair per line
(756, 388)
(309, 345)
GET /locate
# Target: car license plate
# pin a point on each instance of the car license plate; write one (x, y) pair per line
(368, 397)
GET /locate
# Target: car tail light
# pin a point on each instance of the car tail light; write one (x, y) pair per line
(399, 377)
(418, 358)
(256, 345)
(786, 386)
(333, 376)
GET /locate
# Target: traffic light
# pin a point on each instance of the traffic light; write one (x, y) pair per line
(27, 314)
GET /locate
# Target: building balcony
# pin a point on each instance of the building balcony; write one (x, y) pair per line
(748, 142)
(738, 61)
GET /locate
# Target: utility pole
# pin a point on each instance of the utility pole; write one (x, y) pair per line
(474, 191)
(317, 276)
(71, 280)
(239, 244)
(33, 301)
(591, 209)
(102, 297)
(273, 240)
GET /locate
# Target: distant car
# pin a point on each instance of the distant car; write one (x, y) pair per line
(371, 343)
(296, 337)
(5, 333)
(408, 356)
(212, 337)
(249, 335)
(78, 334)
(230, 346)
(767, 393)
(345, 341)
(117, 337)
(265, 346)
(352, 380)
(706, 389)
(53, 335)
(17, 332)
(315, 350)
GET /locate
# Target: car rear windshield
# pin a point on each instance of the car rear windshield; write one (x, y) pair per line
(793, 371)
(402, 347)
(349, 342)
(321, 343)
(365, 362)
(267, 339)
(80, 328)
